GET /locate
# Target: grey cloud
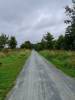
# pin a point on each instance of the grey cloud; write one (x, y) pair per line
(50, 20)
(30, 19)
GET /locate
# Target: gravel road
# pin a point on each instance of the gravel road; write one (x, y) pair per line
(40, 80)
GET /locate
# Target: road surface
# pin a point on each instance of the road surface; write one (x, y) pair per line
(40, 80)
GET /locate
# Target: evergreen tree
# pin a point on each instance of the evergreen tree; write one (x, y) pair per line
(70, 31)
(48, 38)
(60, 42)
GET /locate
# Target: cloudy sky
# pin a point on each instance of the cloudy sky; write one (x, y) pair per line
(30, 19)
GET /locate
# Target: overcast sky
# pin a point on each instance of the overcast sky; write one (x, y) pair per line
(30, 19)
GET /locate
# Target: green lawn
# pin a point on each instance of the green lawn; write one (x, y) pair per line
(10, 65)
(64, 60)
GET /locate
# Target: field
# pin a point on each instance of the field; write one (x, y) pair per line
(10, 65)
(64, 60)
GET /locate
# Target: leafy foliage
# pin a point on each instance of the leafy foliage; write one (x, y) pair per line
(12, 42)
(59, 44)
(48, 38)
(70, 31)
(26, 44)
(3, 41)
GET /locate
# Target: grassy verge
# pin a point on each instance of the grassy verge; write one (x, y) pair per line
(64, 60)
(10, 65)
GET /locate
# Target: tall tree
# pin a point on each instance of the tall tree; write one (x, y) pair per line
(43, 44)
(48, 38)
(3, 40)
(70, 31)
(60, 42)
(12, 42)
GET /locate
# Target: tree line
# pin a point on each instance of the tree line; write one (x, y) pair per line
(65, 42)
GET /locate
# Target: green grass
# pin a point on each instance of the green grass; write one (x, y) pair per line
(10, 65)
(64, 60)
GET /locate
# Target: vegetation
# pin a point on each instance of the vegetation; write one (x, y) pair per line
(59, 43)
(70, 31)
(26, 44)
(48, 41)
(12, 42)
(11, 64)
(64, 60)
(3, 41)
(6, 42)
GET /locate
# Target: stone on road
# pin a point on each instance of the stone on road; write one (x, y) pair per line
(40, 80)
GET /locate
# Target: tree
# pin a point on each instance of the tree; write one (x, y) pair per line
(70, 31)
(22, 46)
(60, 42)
(38, 46)
(43, 44)
(12, 42)
(3, 40)
(27, 45)
(48, 39)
